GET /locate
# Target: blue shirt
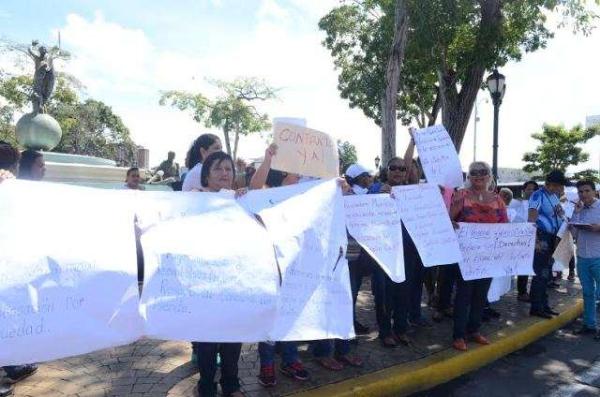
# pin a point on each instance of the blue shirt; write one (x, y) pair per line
(545, 203)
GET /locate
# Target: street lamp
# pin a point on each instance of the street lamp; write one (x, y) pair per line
(475, 121)
(377, 161)
(497, 87)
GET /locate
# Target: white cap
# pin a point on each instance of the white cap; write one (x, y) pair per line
(355, 170)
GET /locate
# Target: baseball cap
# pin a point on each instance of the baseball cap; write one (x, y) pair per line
(355, 170)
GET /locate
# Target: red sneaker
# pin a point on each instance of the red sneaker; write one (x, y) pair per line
(267, 375)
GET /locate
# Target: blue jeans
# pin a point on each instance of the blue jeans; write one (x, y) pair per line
(325, 347)
(588, 270)
(266, 352)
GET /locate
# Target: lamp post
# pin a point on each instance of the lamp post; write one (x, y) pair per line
(475, 121)
(497, 87)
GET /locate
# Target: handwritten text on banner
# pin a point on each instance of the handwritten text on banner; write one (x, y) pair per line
(438, 156)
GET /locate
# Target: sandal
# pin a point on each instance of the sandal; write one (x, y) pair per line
(330, 363)
(352, 361)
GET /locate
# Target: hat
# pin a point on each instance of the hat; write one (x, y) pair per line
(557, 176)
(355, 170)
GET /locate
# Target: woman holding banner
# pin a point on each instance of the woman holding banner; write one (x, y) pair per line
(478, 203)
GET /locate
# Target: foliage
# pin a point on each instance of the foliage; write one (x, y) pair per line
(233, 111)
(558, 148)
(450, 45)
(347, 153)
(589, 175)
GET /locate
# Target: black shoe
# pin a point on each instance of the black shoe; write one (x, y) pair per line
(6, 390)
(550, 311)
(553, 285)
(360, 329)
(539, 313)
(20, 372)
(491, 312)
(585, 330)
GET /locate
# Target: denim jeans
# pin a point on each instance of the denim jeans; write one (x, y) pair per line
(471, 298)
(207, 364)
(325, 347)
(266, 352)
(542, 266)
(391, 303)
(588, 270)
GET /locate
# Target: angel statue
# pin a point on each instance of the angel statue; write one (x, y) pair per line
(44, 78)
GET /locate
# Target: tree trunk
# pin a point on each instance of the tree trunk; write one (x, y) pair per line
(227, 142)
(235, 145)
(392, 81)
(457, 106)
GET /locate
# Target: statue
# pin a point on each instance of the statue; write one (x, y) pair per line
(169, 167)
(43, 78)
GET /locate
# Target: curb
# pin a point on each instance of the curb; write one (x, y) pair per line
(438, 368)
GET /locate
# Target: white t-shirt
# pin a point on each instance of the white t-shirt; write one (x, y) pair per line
(192, 179)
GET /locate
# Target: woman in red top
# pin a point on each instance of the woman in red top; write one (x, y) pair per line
(478, 203)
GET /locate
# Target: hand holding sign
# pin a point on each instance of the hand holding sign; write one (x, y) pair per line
(438, 156)
(304, 151)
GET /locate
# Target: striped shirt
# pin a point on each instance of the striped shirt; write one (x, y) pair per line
(546, 203)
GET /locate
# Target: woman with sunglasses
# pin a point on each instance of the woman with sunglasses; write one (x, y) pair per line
(478, 203)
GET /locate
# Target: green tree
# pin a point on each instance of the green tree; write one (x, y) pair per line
(234, 111)
(558, 148)
(450, 46)
(347, 153)
(589, 174)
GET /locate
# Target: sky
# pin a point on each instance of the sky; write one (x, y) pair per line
(127, 52)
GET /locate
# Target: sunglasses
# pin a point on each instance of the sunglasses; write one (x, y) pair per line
(397, 168)
(479, 173)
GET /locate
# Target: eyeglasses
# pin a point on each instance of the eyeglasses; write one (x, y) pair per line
(479, 172)
(397, 168)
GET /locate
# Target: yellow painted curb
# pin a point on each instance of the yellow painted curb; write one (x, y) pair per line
(438, 368)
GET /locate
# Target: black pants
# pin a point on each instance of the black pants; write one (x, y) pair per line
(542, 266)
(471, 298)
(359, 268)
(415, 273)
(522, 284)
(207, 364)
(391, 304)
(448, 276)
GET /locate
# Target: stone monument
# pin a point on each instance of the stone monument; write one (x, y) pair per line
(38, 130)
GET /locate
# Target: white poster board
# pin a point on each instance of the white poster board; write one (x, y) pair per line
(304, 151)
(426, 219)
(496, 249)
(499, 287)
(257, 200)
(564, 252)
(68, 271)
(374, 222)
(438, 156)
(309, 236)
(210, 272)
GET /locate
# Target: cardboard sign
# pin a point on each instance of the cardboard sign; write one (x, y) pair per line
(438, 156)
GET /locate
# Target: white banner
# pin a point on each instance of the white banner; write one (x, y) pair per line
(426, 219)
(496, 249)
(304, 151)
(257, 200)
(438, 156)
(210, 272)
(310, 240)
(68, 273)
(564, 252)
(374, 222)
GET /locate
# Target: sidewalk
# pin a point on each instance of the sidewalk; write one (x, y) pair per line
(152, 368)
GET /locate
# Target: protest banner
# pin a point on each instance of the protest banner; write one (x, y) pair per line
(315, 300)
(304, 151)
(374, 222)
(438, 156)
(426, 219)
(564, 252)
(496, 249)
(257, 200)
(68, 275)
(210, 272)
(499, 287)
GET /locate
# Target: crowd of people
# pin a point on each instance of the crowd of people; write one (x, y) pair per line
(398, 306)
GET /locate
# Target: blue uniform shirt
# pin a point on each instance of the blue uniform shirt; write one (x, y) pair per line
(545, 203)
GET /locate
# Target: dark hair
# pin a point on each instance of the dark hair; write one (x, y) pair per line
(193, 156)
(216, 157)
(275, 178)
(9, 156)
(132, 169)
(586, 182)
(534, 183)
(28, 157)
(394, 159)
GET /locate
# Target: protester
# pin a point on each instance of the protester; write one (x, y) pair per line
(203, 146)
(585, 226)
(546, 212)
(9, 166)
(528, 188)
(32, 166)
(132, 179)
(476, 204)
(217, 174)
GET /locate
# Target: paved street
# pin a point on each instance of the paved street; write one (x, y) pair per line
(151, 368)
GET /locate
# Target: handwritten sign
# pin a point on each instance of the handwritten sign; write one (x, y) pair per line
(438, 156)
(496, 249)
(315, 300)
(305, 151)
(426, 219)
(499, 287)
(374, 222)
(564, 252)
(257, 200)
(68, 276)
(210, 273)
